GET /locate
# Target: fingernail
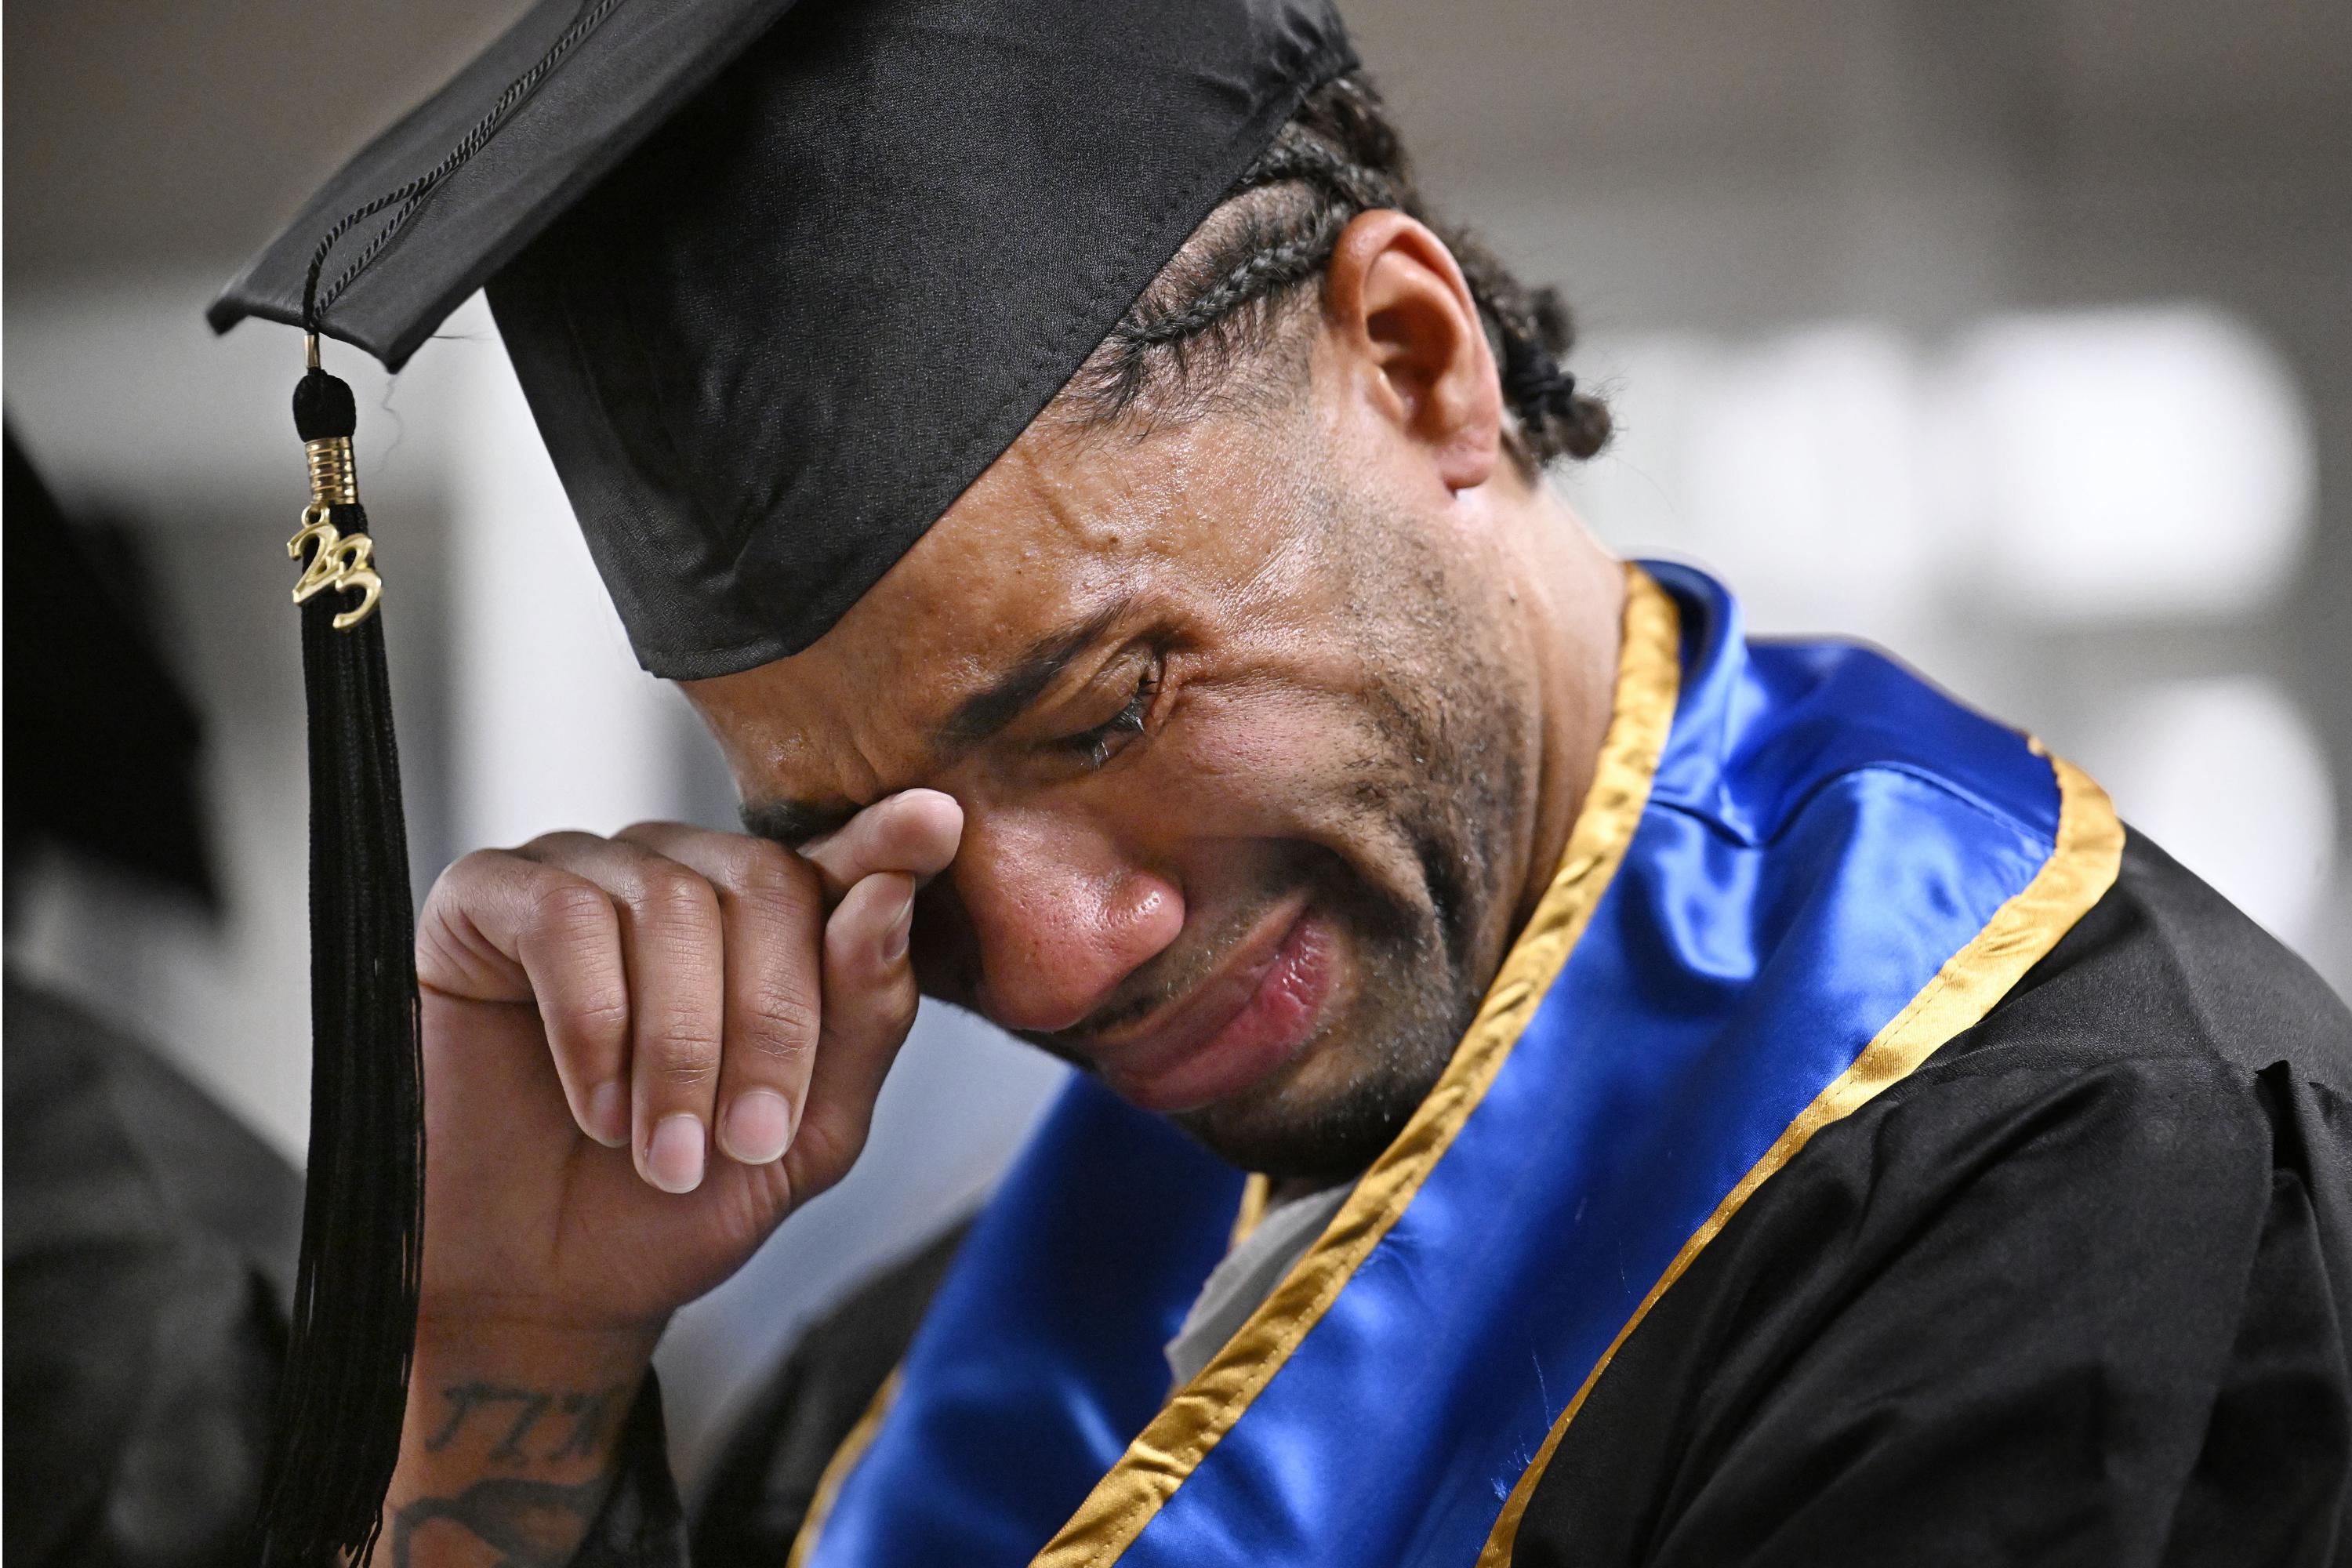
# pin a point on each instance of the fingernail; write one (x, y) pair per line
(894, 941)
(608, 1114)
(674, 1157)
(757, 1127)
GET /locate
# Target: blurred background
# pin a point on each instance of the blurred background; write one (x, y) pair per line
(2012, 337)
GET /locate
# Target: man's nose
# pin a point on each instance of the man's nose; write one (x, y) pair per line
(1059, 917)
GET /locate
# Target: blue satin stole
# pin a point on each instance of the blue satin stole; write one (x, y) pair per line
(1823, 833)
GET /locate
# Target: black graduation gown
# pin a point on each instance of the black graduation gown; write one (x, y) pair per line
(2079, 1290)
(151, 1241)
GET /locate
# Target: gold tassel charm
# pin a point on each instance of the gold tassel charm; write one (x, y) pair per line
(336, 560)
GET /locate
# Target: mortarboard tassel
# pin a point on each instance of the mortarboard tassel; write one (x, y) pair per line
(345, 1385)
(344, 1391)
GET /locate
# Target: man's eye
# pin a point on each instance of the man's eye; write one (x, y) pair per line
(1099, 745)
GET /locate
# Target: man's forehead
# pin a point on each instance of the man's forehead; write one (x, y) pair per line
(1038, 547)
(1053, 508)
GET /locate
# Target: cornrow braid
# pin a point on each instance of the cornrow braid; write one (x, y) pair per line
(1229, 290)
(1273, 264)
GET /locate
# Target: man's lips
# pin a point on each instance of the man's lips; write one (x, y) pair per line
(1237, 1026)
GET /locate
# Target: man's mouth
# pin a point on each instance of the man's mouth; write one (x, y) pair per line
(1251, 1016)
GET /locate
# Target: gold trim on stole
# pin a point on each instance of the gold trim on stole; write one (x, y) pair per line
(836, 1471)
(2082, 867)
(1256, 1192)
(1649, 673)
(860, 1437)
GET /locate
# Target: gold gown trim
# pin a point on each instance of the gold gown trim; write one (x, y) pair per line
(1124, 1500)
(2082, 867)
(836, 1471)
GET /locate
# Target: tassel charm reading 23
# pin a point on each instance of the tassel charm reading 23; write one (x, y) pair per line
(337, 559)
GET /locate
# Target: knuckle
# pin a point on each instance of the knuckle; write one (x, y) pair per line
(473, 864)
(899, 1008)
(768, 882)
(684, 1064)
(853, 951)
(671, 894)
(680, 1040)
(571, 907)
(469, 873)
(438, 954)
(786, 906)
(784, 1052)
(601, 1014)
(866, 1016)
(780, 1019)
(762, 866)
(827, 1145)
(548, 845)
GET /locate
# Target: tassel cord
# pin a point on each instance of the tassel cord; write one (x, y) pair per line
(343, 1392)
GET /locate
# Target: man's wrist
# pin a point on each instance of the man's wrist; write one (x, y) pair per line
(512, 1439)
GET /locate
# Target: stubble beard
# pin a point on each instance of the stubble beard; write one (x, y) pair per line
(1445, 771)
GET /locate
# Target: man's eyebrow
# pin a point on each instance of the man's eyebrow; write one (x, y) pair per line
(987, 711)
(793, 823)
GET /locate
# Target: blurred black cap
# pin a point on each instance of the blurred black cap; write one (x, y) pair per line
(102, 743)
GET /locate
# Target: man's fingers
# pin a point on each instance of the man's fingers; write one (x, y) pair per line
(915, 831)
(771, 907)
(501, 928)
(672, 943)
(869, 1004)
(692, 989)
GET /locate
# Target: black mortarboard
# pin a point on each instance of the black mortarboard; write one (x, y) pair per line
(779, 291)
(779, 282)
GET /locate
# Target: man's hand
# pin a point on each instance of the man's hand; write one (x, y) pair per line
(640, 1054)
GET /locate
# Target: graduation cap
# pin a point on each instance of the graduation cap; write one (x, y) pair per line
(780, 281)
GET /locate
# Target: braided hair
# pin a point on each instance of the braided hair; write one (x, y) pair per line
(1220, 307)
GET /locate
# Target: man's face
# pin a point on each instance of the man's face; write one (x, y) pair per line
(1245, 740)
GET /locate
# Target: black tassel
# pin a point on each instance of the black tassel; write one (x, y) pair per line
(345, 1386)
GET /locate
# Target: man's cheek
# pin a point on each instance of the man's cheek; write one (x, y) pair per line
(1273, 796)
(1242, 764)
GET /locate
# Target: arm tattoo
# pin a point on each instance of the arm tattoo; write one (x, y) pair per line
(591, 1413)
(534, 1406)
(529, 1524)
(592, 1418)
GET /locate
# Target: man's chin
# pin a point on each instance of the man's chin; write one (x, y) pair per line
(1318, 1120)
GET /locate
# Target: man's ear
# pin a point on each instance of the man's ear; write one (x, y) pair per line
(1410, 340)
